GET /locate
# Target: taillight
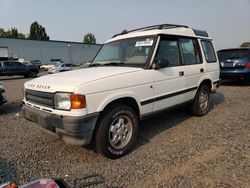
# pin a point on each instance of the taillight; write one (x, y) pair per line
(248, 65)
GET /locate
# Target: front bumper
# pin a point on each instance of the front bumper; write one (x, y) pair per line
(73, 130)
(2, 98)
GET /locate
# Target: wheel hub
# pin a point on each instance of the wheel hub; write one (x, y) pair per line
(120, 132)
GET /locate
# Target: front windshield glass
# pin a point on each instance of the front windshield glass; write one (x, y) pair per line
(130, 52)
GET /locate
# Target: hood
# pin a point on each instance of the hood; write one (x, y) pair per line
(68, 81)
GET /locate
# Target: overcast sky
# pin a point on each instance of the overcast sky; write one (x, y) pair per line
(226, 20)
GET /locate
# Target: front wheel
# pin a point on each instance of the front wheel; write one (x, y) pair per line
(117, 132)
(201, 101)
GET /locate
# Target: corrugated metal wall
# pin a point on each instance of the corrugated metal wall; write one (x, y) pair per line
(45, 50)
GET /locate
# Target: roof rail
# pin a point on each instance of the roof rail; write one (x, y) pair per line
(161, 26)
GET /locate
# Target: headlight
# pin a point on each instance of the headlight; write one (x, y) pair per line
(68, 101)
(62, 101)
(1, 86)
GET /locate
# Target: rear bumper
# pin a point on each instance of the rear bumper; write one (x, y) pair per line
(231, 74)
(73, 130)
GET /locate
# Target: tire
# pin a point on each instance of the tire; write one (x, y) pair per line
(117, 131)
(32, 74)
(200, 105)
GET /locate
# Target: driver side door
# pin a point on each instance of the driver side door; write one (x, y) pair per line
(169, 80)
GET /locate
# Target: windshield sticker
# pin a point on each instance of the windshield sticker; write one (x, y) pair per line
(147, 42)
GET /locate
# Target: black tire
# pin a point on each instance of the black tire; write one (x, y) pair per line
(32, 74)
(201, 103)
(114, 124)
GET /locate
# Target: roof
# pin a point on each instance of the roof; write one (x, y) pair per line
(27, 39)
(169, 29)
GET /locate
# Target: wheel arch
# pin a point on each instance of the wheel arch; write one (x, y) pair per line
(207, 81)
(127, 100)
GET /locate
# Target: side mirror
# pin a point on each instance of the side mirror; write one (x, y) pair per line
(160, 63)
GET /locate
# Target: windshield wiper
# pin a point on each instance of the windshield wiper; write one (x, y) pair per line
(114, 63)
(94, 64)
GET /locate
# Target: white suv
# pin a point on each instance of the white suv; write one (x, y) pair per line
(135, 74)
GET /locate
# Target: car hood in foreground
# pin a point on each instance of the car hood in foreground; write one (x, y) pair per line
(68, 81)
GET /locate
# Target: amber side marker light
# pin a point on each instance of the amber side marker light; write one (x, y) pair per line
(12, 185)
(77, 101)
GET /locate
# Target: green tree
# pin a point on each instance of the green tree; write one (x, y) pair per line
(89, 38)
(245, 44)
(38, 32)
(11, 33)
(2, 32)
(21, 36)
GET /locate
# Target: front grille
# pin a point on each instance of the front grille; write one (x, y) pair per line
(40, 98)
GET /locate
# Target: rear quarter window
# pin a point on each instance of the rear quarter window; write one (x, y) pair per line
(209, 52)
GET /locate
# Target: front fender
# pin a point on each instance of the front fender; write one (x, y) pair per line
(116, 96)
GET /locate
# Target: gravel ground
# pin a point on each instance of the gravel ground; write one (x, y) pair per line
(174, 149)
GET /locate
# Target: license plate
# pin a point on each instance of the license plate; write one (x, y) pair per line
(227, 64)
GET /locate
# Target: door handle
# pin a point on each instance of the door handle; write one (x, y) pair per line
(201, 70)
(181, 73)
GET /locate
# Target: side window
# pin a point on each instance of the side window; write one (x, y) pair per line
(168, 50)
(190, 51)
(208, 50)
(18, 64)
(9, 64)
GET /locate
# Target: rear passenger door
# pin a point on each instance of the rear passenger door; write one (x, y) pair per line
(10, 68)
(193, 67)
(169, 82)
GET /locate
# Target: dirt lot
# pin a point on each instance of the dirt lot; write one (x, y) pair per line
(174, 149)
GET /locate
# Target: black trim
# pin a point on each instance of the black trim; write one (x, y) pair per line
(167, 96)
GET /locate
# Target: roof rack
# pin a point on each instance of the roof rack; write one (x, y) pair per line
(161, 26)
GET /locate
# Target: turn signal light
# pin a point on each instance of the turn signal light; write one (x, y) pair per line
(248, 65)
(12, 185)
(77, 101)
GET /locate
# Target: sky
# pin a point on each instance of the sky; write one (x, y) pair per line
(227, 21)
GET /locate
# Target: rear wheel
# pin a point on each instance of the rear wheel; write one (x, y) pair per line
(117, 131)
(200, 105)
(32, 74)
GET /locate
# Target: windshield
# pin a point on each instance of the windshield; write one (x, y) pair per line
(233, 53)
(130, 52)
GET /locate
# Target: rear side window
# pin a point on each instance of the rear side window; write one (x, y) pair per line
(190, 51)
(208, 50)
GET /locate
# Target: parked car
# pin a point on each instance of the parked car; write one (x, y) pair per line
(2, 94)
(46, 67)
(37, 63)
(234, 63)
(61, 68)
(136, 74)
(52, 63)
(11, 68)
